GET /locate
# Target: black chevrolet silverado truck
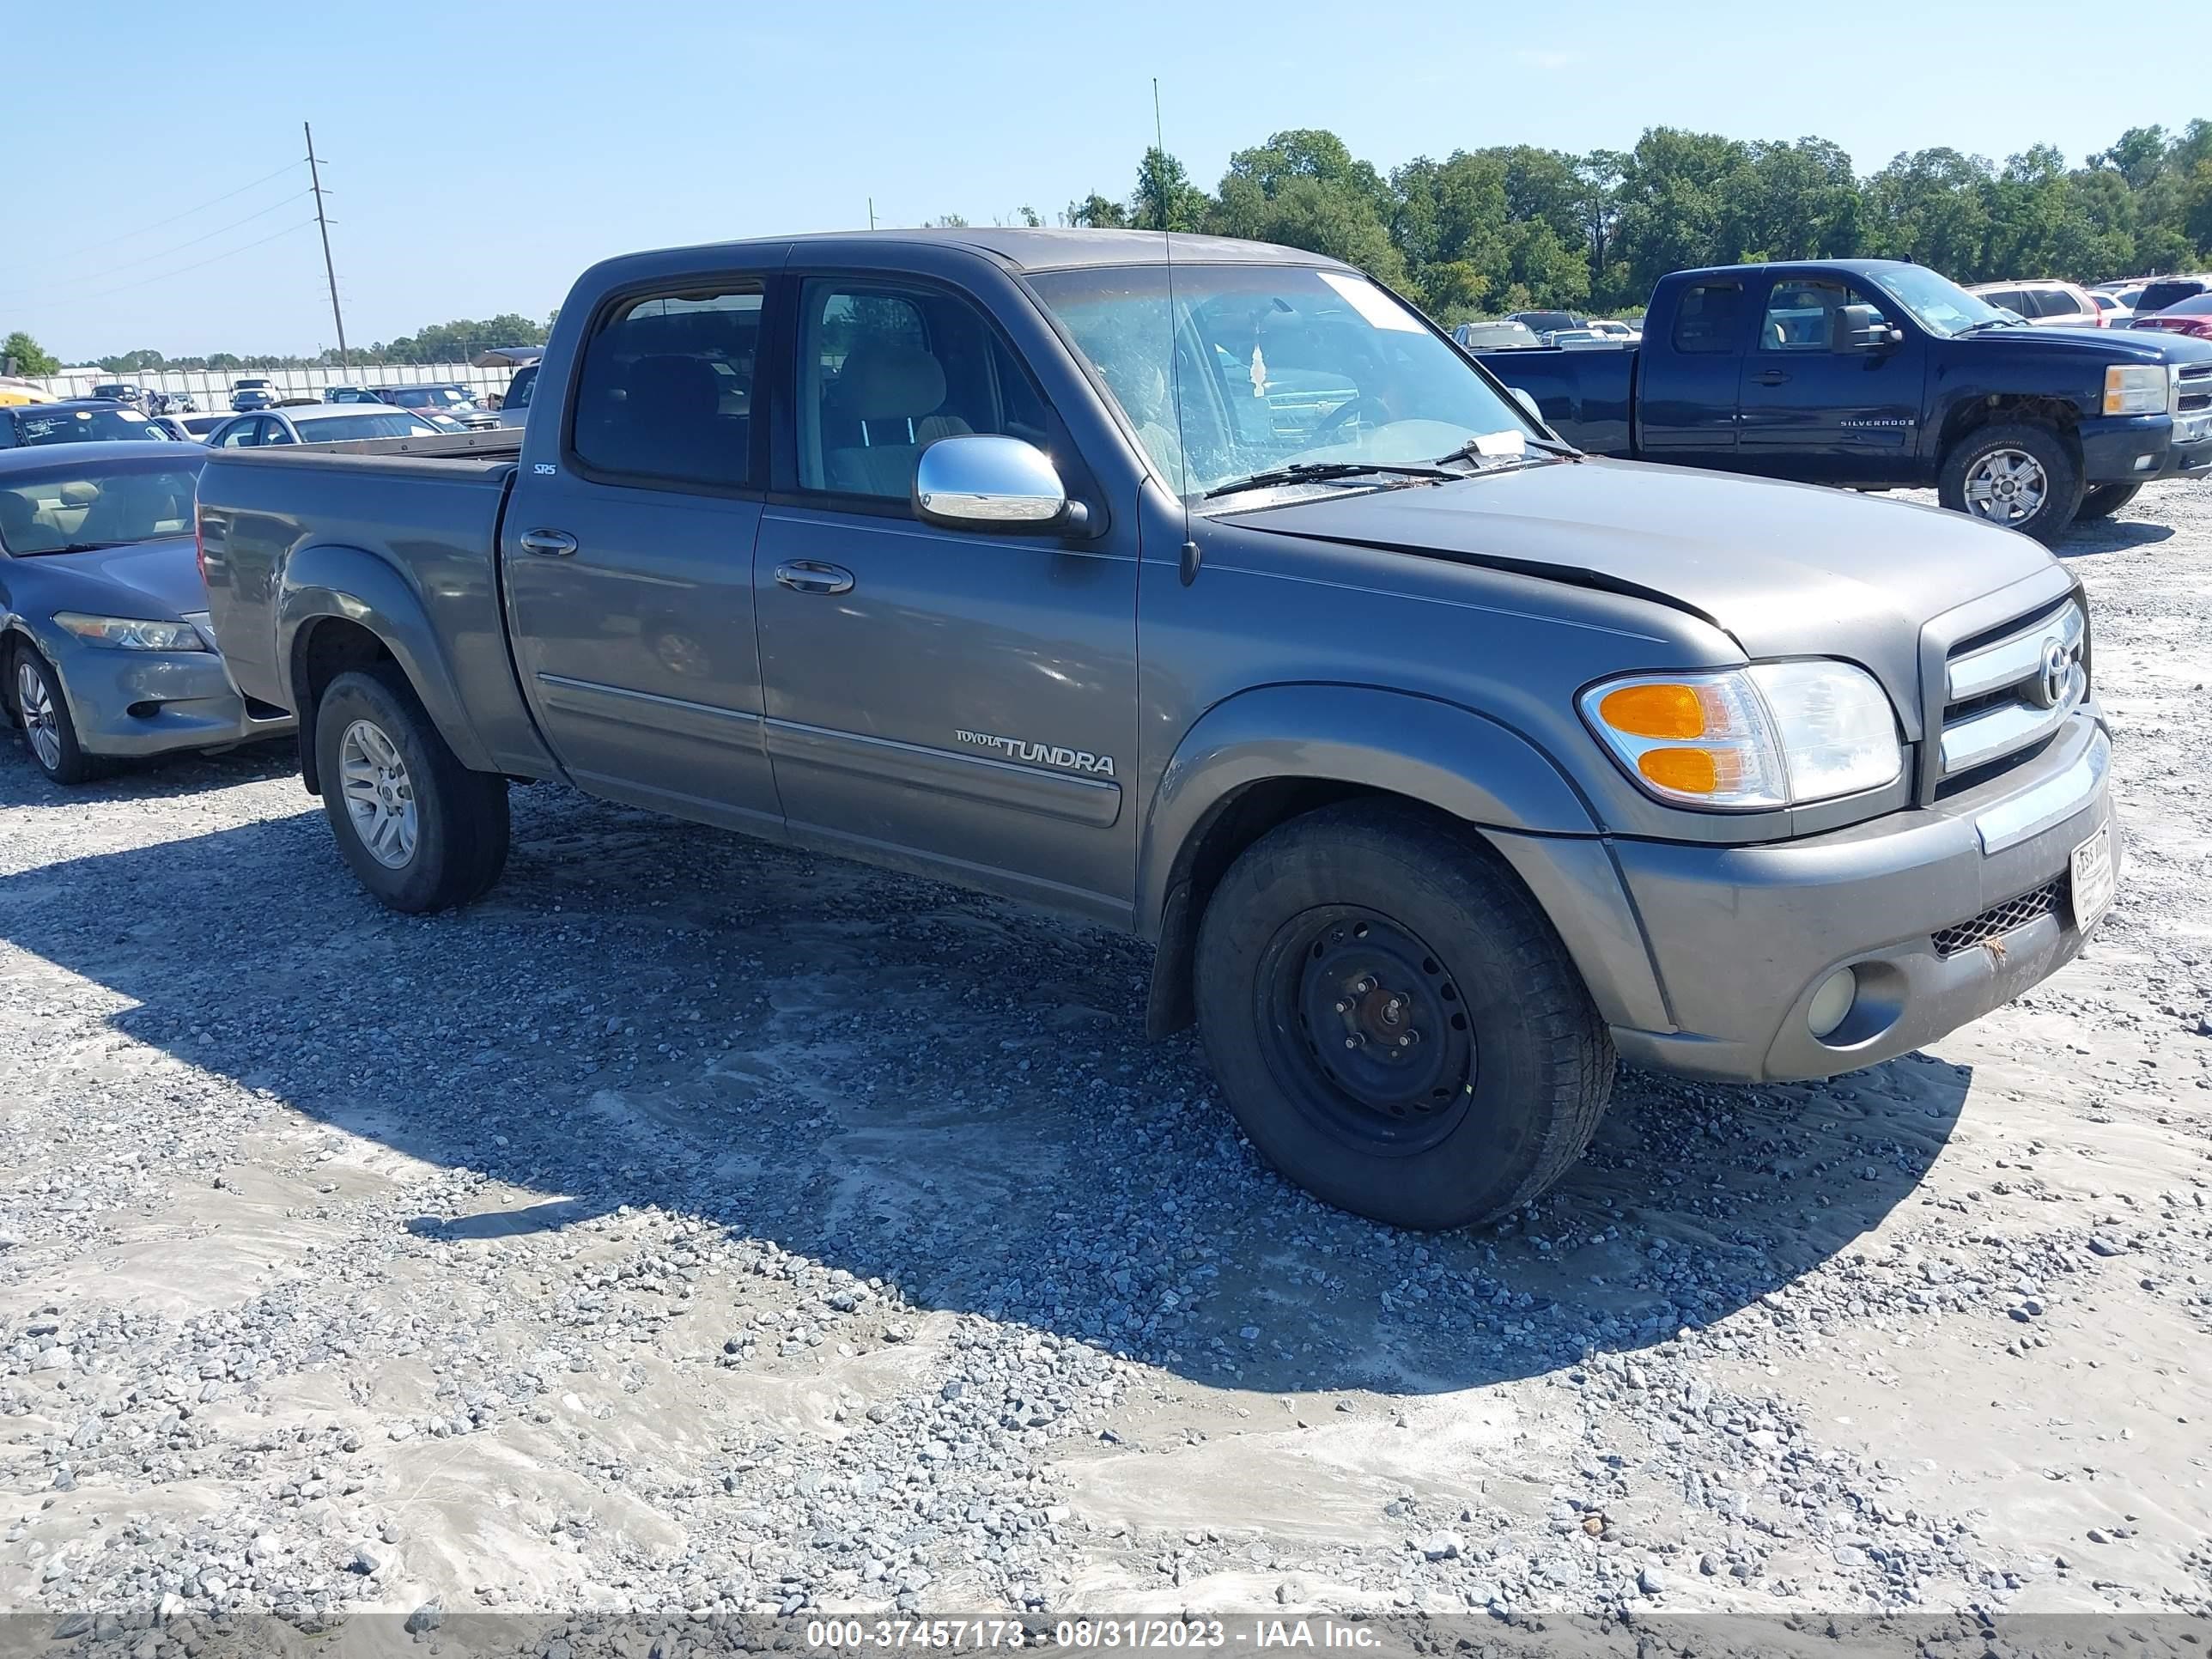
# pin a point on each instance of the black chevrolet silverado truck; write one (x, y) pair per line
(1875, 375)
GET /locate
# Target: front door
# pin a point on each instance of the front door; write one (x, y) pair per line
(1827, 397)
(629, 565)
(962, 704)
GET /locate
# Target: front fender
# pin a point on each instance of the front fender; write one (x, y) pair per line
(1446, 757)
(333, 580)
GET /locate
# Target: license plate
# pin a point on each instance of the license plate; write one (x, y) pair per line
(2092, 878)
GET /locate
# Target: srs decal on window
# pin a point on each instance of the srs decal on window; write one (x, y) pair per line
(1041, 754)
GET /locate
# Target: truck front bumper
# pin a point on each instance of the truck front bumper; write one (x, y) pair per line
(2142, 448)
(1943, 913)
(152, 702)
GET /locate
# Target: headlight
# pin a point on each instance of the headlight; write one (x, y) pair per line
(2139, 389)
(129, 634)
(1773, 734)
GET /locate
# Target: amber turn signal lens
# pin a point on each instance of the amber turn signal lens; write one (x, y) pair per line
(1688, 771)
(1655, 711)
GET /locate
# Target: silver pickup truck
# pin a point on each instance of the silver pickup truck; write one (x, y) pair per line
(1206, 591)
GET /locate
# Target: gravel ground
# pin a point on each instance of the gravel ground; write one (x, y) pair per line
(706, 1228)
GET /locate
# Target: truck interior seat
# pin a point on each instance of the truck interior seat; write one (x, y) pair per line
(880, 414)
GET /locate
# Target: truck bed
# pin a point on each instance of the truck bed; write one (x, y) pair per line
(1586, 393)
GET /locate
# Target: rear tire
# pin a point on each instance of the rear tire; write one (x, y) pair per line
(2019, 478)
(34, 697)
(419, 830)
(2106, 499)
(1342, 934)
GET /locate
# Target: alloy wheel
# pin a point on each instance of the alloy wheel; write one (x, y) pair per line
(36, 703)
(379, 796)
(2007, 487)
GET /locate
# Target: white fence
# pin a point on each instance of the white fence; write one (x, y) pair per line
(210, 388)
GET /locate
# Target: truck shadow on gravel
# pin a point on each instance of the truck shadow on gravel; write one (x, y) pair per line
(164, 777)
(2116, 535)
(924, 1087)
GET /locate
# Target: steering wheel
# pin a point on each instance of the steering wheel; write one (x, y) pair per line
(1344, 414)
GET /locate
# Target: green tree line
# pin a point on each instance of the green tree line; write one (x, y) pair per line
(442, 342)
(1512, 226)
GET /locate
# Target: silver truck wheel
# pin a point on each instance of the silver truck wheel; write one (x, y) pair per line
(2020, 478)
(2008, 487)
(379, 796)
(420, 831)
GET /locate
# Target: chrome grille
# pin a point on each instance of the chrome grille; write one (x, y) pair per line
(2195, 388)
(2000, 919)
(2005, 694)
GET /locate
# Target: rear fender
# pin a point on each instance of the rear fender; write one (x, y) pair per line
(330, 580)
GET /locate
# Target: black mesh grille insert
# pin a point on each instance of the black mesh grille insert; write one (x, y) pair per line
(2000, 919)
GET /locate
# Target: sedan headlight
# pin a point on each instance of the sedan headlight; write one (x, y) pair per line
(1773, 734)
(2139, 389)
(131, 633)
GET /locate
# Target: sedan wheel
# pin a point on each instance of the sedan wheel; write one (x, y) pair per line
(2008, 486)
(379, 796)
(36, 705)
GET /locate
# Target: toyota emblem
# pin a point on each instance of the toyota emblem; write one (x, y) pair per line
(2048, 688)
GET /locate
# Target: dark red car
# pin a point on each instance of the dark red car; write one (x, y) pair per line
(2192, 317)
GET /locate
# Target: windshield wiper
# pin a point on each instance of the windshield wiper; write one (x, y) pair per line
(1996, 322)
(70, 547)
(1321, 472)
(1469, 452)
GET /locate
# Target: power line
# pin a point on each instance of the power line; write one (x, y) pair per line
(120, 235)
(148, 259)
(164, 276)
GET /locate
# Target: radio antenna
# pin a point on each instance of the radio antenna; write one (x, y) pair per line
(1187, 564)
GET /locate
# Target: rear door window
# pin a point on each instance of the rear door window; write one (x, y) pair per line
(2159, 295)
(665, 394)
(1706, 321)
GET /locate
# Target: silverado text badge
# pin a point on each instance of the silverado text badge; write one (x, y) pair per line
(1041, 754)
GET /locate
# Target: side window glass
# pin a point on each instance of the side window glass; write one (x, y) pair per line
(666, 390)
(276, 432)
(886, 371)
(1706, 320)
(1816, 314)
(240, 434)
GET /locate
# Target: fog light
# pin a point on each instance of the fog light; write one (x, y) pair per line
(1832, 1001)
(2143, 463)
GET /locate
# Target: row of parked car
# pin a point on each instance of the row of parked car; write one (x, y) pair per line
(1440, 758)
(2178, 304)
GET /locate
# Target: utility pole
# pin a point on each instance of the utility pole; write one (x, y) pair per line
(315, 178)
(871, 213)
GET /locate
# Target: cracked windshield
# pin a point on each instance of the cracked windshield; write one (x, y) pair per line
(1275, 367)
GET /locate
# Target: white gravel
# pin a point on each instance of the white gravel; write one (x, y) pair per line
(702, 1227)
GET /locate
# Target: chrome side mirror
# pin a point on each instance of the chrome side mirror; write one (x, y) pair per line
(1527, 400)
(984, 480)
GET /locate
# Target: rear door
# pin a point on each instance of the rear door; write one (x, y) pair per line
(964, 703)
(1685, 376)
(627, 564)
(1827, 397)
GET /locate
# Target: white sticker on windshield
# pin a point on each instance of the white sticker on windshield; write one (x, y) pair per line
(129, 414)
(1500, 443)
(1371, 302)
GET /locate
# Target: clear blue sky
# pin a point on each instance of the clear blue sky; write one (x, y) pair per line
(480, 155)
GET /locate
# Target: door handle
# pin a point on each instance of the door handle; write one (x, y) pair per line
(553, 543)
(1770, 377)
(810, 576)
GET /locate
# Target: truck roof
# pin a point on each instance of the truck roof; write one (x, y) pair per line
(1847, 267)
(1024, 249)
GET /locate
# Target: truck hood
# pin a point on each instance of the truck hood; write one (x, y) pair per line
(1785, 570)
(157, 580)
(2104, 345)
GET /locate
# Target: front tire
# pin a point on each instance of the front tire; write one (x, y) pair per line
(419, 830)
(1394, 1022)
(2021, 478)
(35, 694)
(2106, 499)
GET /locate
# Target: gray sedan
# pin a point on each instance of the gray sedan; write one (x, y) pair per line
(105, 649)
(318, 423)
